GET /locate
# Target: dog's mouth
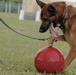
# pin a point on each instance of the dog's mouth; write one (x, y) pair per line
(53, 31)
(51, 28)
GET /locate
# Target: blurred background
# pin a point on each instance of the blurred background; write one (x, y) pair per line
(28, 9)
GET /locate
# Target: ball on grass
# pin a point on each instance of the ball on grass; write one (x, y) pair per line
(49, 60)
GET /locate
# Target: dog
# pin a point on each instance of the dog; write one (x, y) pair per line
(59, 14)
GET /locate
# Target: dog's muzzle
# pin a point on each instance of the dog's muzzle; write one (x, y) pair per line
(43, 29)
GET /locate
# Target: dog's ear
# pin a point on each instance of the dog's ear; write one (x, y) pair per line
(41, 4)
(51, 9)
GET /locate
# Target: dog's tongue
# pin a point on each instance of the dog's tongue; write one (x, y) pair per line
(53, 31)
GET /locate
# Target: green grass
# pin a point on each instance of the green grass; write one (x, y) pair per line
(17, 52)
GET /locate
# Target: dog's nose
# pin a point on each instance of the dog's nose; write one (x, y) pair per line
(41, 30)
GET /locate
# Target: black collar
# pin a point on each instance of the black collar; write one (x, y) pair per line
(61, 22)
(62, 19)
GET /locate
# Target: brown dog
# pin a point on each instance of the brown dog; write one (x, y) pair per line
(62, 15)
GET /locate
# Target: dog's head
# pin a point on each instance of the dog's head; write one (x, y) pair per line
(50, 13)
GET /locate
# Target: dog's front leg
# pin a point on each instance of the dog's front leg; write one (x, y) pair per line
(59, 38)
(70, 57)
(50, 41)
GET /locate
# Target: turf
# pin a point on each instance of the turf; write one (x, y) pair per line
(17, 52)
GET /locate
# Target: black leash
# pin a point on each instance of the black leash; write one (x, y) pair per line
(41, 39)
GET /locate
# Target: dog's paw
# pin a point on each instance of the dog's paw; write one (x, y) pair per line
(50, 41)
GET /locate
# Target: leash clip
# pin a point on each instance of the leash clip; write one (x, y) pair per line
(53, 42)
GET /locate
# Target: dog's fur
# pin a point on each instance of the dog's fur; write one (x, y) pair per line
(65, 15)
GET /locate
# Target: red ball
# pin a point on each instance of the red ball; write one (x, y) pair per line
(49, 60)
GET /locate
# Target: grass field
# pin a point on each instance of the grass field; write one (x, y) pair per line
(17, 52)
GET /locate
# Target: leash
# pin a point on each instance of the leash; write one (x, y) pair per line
(4, 23)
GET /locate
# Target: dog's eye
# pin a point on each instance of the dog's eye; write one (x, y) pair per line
(45, 19)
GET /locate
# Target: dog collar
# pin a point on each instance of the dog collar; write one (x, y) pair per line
(62, 19)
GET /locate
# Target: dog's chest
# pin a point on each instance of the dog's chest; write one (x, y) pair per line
(70, 37)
